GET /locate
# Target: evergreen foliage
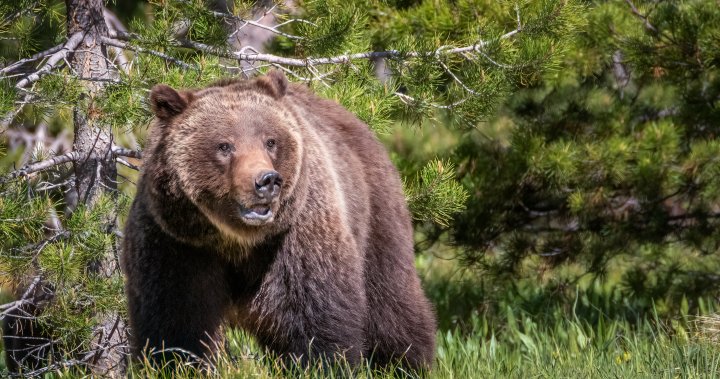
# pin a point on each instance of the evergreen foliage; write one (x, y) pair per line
(581, 149)
(609, 166)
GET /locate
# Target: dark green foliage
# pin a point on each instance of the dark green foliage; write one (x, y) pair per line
(337, 27)
(434, 195)
(578, 139)
(28, 26)
(65, 259)
(372, 100)
(22, 226)
(612, 159)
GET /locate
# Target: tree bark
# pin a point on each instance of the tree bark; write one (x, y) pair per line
(96, 172)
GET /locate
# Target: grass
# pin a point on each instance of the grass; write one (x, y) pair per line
(523, 332)
(568, 349)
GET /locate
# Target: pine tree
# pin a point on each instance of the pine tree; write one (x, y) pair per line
(77, 66)
(609, 166)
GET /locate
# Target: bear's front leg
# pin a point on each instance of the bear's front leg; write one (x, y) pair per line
(177, 297)
(311, 304)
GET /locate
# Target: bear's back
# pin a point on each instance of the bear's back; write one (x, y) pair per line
(371, 183)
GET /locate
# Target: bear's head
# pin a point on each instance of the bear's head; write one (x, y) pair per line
(233, 150)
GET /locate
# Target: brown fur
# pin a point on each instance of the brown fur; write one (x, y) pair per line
(330, 274)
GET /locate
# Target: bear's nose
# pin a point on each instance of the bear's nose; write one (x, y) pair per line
(267, 184)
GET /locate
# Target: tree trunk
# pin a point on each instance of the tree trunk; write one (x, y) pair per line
(96, 172)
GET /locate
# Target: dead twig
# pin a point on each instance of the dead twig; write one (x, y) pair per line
(9, 307)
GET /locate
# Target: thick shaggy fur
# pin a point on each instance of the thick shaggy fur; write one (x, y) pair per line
(330, 274)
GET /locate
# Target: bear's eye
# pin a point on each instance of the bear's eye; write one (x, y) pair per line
(225, 147)
(270, 144)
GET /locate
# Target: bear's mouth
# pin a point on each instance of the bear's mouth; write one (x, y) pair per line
(257, 215)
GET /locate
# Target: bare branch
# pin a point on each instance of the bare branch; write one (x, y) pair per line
(316, 75)
(9, 307)
(43, 165)
(295, 20)
(123, 45)
(242, 55)
(124, 152)
(69, 46)
(411, 101)
(40, 55)
(339, 59)
(127, 164)
(113, 23)
(455, 78)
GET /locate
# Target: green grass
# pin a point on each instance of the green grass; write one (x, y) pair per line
(521, 331)
(568, 349)
(571, 350)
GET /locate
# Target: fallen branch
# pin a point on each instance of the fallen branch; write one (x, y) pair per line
(68, 363)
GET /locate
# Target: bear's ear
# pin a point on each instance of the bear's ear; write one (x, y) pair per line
(167, 103)
(275, 83)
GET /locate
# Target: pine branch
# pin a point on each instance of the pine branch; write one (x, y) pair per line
(12, 17)
(641, 16)
(338, 59)
(42, 165)
(137, 49)
(10, 116)
(69, 46)
(14, 66)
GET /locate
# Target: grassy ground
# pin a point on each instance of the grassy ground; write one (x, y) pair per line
(569, 349)
(523, 334)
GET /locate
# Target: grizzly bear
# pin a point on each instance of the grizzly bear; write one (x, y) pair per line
(267, 207)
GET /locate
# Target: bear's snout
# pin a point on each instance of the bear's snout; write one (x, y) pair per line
(267, 184)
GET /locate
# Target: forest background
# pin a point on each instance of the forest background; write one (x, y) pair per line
(560, 159)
